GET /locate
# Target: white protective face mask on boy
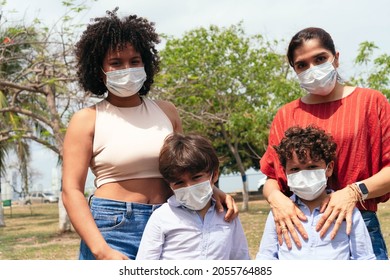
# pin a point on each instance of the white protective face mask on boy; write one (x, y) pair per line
(320, 79)
(195, 197)
(307, 184)
(125, 82)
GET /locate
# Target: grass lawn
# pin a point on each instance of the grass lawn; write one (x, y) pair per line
(32, 231)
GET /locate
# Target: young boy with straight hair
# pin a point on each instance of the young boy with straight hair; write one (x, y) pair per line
(307, 156)
(188, 226)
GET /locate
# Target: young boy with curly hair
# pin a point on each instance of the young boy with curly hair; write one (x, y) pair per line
(307, 156)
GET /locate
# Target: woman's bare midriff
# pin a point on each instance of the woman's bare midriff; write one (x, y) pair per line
(147, 191)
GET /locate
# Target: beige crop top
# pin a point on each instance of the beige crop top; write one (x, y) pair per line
(127, 141)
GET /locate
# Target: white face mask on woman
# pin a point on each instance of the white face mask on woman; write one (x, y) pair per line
(320, 79)
(307, 184)
(195, 197)
(125, 82)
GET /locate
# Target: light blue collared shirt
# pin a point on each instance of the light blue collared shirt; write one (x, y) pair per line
(356, 246)
(174, 232)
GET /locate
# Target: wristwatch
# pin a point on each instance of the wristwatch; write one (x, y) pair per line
(363, 189)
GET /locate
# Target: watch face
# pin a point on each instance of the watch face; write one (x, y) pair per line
(363, 188)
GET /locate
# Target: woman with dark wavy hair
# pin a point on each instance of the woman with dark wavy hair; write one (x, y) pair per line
(357, 118)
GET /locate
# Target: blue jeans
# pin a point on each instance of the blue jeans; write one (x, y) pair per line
(378, 243)
(120, 223)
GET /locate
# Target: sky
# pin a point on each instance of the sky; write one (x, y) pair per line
(349, 22)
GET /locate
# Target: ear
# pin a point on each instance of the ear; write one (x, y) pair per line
(215, 176)
(336, 62)
(329, 169)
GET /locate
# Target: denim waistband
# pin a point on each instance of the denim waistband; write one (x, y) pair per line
(97, 202)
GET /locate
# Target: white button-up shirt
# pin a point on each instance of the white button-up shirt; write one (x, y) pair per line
(356, 246)
(174, 232)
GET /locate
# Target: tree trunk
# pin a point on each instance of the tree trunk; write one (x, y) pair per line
(2, 222)
(245, 193)
(64, 222)
(233, 149)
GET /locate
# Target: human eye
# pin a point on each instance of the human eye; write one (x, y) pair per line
(177, 184)
(114, 63)
(136, 62)
(198, 176)
(299, 66)
(321, 59)
(313, 167)
(294, 170)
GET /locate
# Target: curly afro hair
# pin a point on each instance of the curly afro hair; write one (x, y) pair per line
(111, 32)
(302, 141)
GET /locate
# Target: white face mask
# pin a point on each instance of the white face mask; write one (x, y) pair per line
(195, 197)
(320, 79)
(125, 82)
(307, 184)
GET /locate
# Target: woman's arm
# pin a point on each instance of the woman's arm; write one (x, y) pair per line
(286, 214)
(77, 154)
(342, 202)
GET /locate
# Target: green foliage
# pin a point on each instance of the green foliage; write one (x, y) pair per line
(227, 86)
(37, 84)
(377, 68)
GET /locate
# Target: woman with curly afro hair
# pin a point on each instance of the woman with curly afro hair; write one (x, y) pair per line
(119, 138)
(307, 156)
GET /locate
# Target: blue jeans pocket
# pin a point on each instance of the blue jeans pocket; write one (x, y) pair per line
(108, 221)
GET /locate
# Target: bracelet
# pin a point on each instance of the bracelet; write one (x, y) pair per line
(357, 194)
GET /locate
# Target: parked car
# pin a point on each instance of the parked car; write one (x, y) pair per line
(261, 182)
(41, 197)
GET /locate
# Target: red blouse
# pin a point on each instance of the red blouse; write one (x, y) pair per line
(359, 124)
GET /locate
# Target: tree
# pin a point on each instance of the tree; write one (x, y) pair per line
(377, 69)
(3, 151)
(37, 84)
(227, 86)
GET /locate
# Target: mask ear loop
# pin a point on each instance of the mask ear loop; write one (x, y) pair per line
(326, 168)
(339, 79)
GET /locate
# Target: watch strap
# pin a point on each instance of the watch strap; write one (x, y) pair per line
(363, 189)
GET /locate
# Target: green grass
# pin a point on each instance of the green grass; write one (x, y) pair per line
(32, 232)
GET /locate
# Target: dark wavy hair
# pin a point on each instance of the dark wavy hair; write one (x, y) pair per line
(302, 141)
(306, 34)
(109, 33)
